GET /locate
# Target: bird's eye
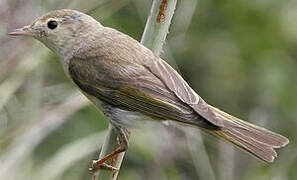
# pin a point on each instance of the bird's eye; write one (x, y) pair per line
(52, 24)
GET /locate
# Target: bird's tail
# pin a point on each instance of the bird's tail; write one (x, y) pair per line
(258, 141)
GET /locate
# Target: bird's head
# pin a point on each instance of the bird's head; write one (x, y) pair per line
(59, 30)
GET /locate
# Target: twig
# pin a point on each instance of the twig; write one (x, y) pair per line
(153, 37)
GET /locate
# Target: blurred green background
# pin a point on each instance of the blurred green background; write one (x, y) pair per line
(239, 55)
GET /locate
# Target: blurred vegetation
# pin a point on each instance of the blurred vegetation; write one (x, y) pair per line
(241, 56)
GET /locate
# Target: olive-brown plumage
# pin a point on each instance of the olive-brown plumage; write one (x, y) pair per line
(129, 83)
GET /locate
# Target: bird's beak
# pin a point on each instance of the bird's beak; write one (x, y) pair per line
(24, 31)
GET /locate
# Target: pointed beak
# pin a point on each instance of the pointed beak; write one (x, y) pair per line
(24, 31)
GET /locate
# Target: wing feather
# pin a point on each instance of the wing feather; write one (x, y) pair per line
(182, 90)
(138, 90)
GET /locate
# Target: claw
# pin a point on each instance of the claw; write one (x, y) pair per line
(108, 167)
(102, 166)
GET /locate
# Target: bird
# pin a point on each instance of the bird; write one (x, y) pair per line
(130, 84)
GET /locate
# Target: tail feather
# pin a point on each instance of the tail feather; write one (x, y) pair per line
(256, 140)
(262, 151)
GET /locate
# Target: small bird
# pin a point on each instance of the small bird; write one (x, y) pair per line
(130, 84)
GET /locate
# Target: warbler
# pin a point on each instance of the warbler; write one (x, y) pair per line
(130, 84)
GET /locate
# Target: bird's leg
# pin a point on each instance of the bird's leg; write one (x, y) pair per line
(122, 138)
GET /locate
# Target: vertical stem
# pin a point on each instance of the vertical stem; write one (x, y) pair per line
(153, 37)
(157, 25)
(104, 149)
(110, 143)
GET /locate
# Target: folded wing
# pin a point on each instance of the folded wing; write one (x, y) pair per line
(132, 86)
(183, 91)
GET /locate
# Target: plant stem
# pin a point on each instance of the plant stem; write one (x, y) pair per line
(153, 37)
(107, 144)
(157, 25)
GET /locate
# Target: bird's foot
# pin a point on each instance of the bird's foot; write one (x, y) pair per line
(122, 139)
(95, 167)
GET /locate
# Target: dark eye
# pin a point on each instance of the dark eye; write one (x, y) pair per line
(52, 24)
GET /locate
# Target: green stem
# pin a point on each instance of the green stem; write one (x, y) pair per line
(157, 25)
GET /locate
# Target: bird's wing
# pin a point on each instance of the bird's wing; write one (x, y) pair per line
(141, 72)
(182, 90)
(131, 86)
